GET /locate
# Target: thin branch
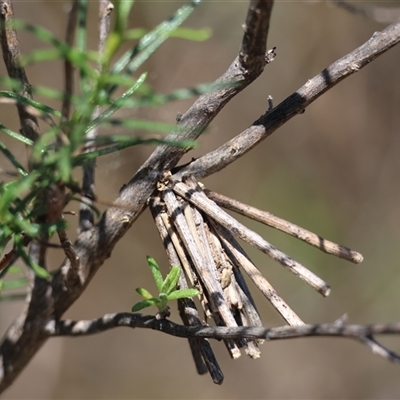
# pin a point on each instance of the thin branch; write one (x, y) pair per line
(69, 251)
(379, 349)
(11, 257)
(86, 217)
(295, 104)
(380, 14)
(361, 333)
(285, 226)
(68, 65)
(11, 56)
(105, 9)
(7, 260)
(253, 49)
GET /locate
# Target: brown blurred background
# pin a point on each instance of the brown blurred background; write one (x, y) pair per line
(333, 170)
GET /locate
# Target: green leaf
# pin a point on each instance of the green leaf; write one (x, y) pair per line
(52, 94)
(16, 135)
(79, 57)
(134, 34)
(134, 58)
(144, 293)
(14, 270)
(118, 103)
(12, 158)
(81, 38)
(15, 284)
(198, 35)
(29, 102)
(122, 10)
(15, 189)
(120, 80)
(81, 159)
(113, 43)
(183, 294)
(41, 55)
(64, 164)
(155, 270)
(116, 37)
(141, 124)
(171, 280)
(151, 98)
(144, 304)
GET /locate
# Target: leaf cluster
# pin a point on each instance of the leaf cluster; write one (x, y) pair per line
(167, 289)
(63, 147)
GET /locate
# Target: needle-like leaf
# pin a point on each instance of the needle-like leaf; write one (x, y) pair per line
(155, 270)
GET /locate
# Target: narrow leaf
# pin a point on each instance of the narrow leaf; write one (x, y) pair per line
(29, 102)
(16, 188)
(12, 158)
(171, 280)
(122, 10)
(78, 57)
(141, 124)
(134, 58)
(16, 135)
(144, 304)
(144, 293)
(15, 284)
(197, 35)
(82, 158)
(155, 270)
(183, 294)
(14, 270)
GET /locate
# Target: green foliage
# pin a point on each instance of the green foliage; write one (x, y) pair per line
(58, 150)
(13, 284)
(166, 288)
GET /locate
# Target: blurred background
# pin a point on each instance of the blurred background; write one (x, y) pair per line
(333, 170)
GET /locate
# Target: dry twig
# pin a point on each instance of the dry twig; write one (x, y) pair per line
(86, 218)
(379, 13)
(362, 333)
(11, 56)
(285, 226)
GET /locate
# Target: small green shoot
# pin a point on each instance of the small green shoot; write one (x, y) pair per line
(166, 288)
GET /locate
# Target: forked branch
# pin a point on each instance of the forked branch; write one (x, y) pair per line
(295, 104)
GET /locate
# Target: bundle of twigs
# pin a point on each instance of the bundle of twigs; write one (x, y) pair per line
(201, 237)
